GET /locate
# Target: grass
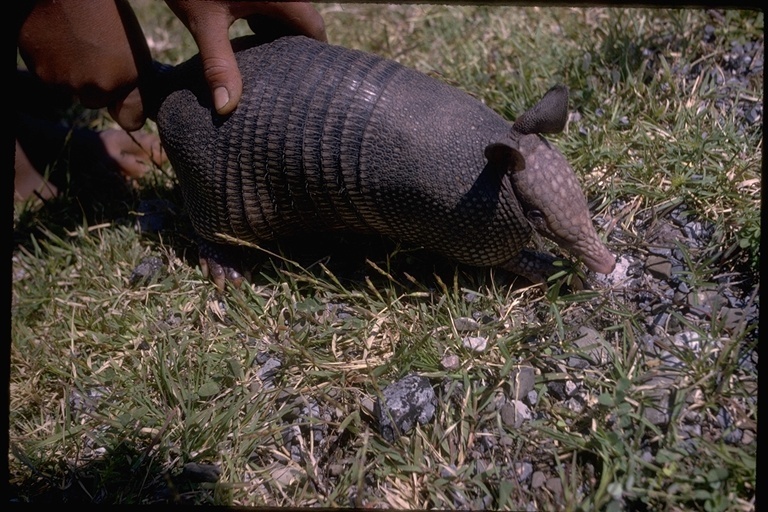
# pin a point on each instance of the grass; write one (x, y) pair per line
(115, 389)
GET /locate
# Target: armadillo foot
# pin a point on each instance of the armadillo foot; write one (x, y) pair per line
(537, 267)
(221, 265)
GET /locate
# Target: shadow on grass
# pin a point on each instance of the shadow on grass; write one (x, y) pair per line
(158, 212)
(126, 475)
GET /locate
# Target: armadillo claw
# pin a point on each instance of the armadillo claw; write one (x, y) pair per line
(538, 267)
(534, 266)
(216, 265)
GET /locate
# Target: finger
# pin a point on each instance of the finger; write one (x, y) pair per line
(290, 18)
(96, 50)
(219, 65)
(223, 76)
(209, 23)
(220, 71)
(129, 112)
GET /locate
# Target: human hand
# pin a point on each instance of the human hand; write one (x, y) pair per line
(95, 49)
(208, 21)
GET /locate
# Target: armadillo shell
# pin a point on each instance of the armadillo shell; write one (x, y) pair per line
(328, 138)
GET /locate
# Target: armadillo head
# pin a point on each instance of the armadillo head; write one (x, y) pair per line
(546, 186)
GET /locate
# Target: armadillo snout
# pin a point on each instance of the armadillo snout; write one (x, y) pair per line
(572, 229)
(549, 186)
(579, 237)
(595, 255)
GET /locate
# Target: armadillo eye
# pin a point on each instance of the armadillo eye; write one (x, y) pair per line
(536, 217)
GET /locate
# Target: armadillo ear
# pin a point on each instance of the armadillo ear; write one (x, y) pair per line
(504, 156)
(549, 115)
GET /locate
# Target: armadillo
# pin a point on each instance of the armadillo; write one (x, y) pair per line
(329, 138)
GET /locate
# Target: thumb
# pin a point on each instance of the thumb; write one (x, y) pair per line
(220, 69)
(211, 34)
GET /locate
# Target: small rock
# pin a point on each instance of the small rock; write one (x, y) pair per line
(285, 475)
(367, 404)
(678, 256)
(488, 441)
(506, 441)
(523, 470)
(448, 472)
(89, 401)
(522, 380)
(698, 232)
(450, 362)
(734, 436)
(706, 300)
(659, 267)
(557, 389)
(475, 343)
(146, 271)
(753, 116)
(658, 322)
(578, 362)
(195, 472)
(538, 478)
(310, 413)
(688, 340)
(669, 360)
(688, 431)
(709, 33)
(680, 215)
(403, 403)
(624, 266)
(483, 318)
(723, 418)
(555, 485)
(507, 412)
(262, 357)
(658, 389)
(514, 413)
(663, 251)
(171, 321)
(459, 499)
(268, 371)
(732, 318)
(482, 466)
(484, 503)
(291, 440)
(592, 343)
(464, 324)
(574, 405)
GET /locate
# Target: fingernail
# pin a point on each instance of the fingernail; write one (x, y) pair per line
(220, 98)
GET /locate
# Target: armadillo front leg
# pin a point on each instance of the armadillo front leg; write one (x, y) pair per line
(222, 264)
(533, 265)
